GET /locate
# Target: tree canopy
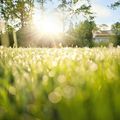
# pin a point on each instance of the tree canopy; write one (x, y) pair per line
(116, 31)
(19, 12)
(82, 34)
(116, 4)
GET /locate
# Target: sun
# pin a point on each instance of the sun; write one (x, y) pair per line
(48, 25)
(52, 26)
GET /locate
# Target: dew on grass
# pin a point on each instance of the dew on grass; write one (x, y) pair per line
(69, 91)
(45, 80)
(61, 78)
(54, 97)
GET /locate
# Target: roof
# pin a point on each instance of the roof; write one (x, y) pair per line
(102, 33)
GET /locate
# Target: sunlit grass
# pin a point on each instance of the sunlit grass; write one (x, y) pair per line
(60, 84)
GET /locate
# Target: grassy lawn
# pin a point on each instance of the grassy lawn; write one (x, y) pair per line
(59, 84)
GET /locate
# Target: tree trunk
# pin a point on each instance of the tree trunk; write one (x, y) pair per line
(15, 39)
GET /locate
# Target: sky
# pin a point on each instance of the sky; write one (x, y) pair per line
(104, 14)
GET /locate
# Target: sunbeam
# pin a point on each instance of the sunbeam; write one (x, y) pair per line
(48, 24)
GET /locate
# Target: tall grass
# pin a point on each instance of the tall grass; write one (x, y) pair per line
(60, 84)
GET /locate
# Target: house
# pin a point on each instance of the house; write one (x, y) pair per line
(102, 35)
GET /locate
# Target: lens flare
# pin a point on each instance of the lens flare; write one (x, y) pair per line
(48, 24)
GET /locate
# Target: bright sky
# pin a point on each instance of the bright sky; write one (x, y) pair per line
(103, 13)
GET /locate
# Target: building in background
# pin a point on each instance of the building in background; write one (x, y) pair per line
(103, 34)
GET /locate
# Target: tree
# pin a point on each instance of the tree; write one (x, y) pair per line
(116, 4)
(69, 5)
(16, 11)
(72, 8)
(82, 35)
(116, 31)
(16, 14)
(42, 6)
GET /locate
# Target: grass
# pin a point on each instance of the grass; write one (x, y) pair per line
(60, 84)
